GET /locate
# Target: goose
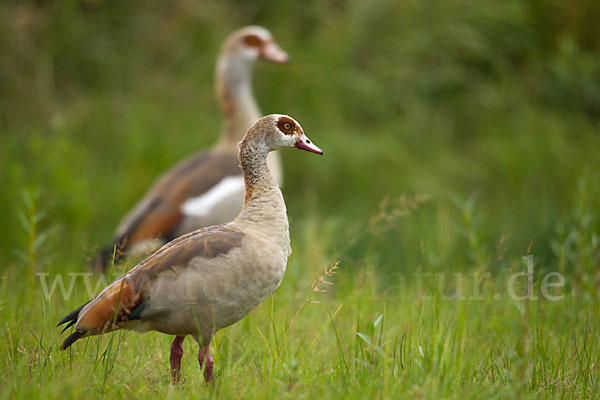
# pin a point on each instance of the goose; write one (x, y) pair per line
(208, 187)
(211, 278)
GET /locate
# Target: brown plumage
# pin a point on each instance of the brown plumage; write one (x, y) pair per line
(115, 304)
(159, 214)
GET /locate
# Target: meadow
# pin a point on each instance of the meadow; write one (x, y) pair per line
(447, 245)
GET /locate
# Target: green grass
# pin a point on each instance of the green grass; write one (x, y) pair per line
(350, 338)
(333, 329)
(461, 143)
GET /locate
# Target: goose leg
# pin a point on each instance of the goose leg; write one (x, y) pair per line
(205, 358)
(176, 354)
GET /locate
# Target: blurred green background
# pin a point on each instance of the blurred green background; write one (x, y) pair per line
(469, 128)
(459, 136)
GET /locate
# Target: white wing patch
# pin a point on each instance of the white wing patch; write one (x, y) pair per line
(202, 205)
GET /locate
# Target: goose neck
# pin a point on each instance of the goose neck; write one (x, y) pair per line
(235, 96)
(262, 198)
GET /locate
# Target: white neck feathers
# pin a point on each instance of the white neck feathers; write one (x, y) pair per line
(236, 98)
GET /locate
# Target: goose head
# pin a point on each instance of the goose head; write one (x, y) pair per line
(289, 133)
(252, 43)
(278, 131)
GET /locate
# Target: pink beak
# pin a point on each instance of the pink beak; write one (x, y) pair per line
(272, 52)
(304, 143)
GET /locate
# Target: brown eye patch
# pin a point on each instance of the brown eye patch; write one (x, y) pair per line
(287, 125)
(253, 41)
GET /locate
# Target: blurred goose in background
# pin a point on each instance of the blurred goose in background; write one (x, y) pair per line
(211, 278)
(206, 188)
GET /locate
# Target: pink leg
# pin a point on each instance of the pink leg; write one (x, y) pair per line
(204, 355)
(176, 354)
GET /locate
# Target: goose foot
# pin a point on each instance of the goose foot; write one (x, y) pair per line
(176, 354)
(205, 358)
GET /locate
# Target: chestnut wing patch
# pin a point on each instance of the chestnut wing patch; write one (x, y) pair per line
(160, 211)
(113, 306)
(123, 300)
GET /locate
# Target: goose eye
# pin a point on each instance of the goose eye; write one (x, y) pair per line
(287, 126)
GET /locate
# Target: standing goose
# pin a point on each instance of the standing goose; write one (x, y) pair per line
(206, 188)
(211, 278)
